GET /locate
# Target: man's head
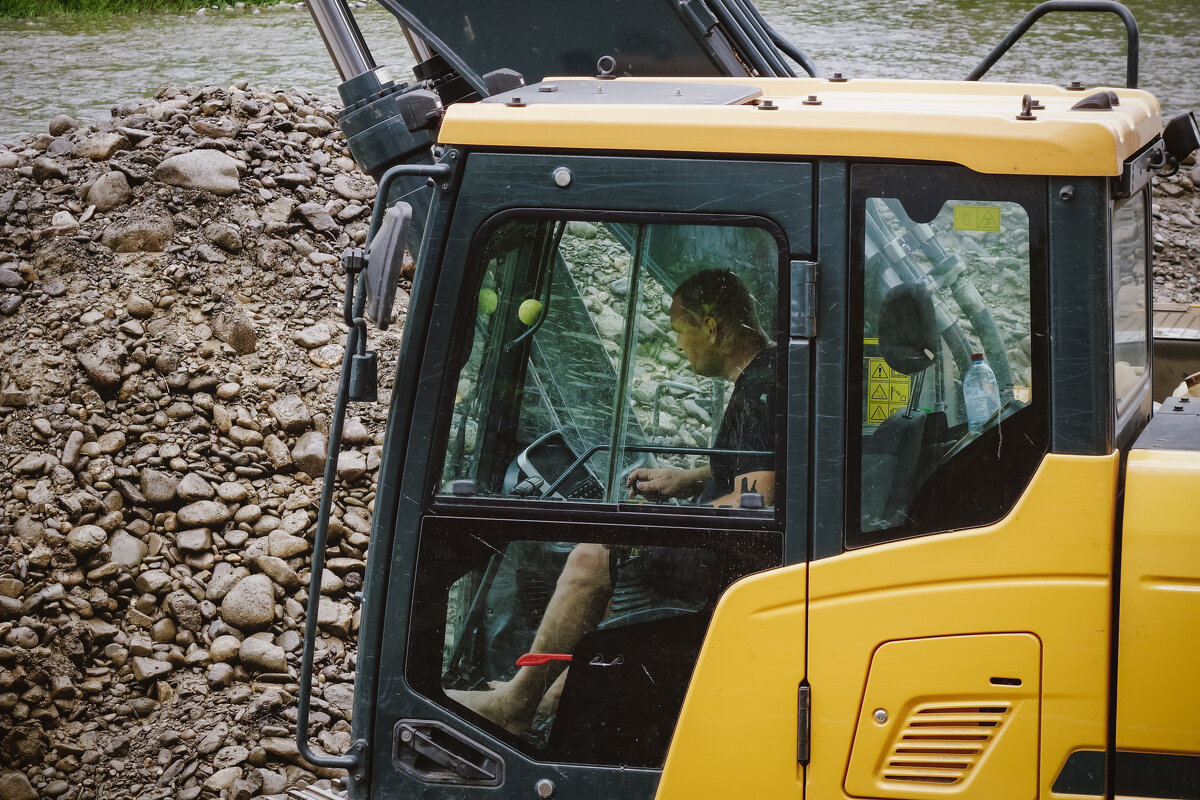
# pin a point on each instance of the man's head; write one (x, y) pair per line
(716, 325)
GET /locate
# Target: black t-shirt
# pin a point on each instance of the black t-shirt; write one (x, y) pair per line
(748, 424)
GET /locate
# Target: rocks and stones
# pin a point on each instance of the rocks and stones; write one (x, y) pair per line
(45, 169)
(142, 230)
(309, 453)
(261, 655)
(102, 146)
(111, 190)
(86, 539)
(313, 336)
(291, 413)
(204, 513)
(15, 786)
(232, 326)
(209, 170)
(158, 487)
(103, 363)
(147, 328)
(126, 550)
(61, 124)
(250, 604)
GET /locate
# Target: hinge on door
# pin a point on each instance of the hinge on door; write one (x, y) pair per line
(804, 299)
(803, 722)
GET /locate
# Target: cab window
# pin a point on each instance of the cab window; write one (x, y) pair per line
(1129, 270)
(617, 361)
(950, 416)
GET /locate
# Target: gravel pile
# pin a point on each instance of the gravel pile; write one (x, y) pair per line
(1177, 236)
(170, 337)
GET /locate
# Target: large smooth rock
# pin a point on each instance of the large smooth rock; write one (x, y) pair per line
(102, 362)
(262, 656)
(86, 539)
(333, 617)
(210, 170)
(110, 191)
(158, 487)
(185, 610)
(309, 453)
(203, 514)
(250, 604)
(192, 487)
(143, 230)
(291, 413)
(15, 786)
(146, 669)
(102, 146)
(126, 550)
(232, 326)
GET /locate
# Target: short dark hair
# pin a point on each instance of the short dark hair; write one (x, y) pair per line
(720, 294)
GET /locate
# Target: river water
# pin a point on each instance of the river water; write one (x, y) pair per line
(86, 66)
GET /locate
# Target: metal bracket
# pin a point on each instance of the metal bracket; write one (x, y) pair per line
(803, 310)
(803, 723)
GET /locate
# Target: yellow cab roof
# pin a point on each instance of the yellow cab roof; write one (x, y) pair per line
(969, 123)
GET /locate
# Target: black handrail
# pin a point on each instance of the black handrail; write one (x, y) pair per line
(1100, 6)
(354, 759)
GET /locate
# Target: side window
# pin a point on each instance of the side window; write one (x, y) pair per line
(1130, 266)
(951, 412)
(618, 361)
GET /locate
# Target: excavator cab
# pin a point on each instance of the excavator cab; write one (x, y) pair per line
(892, 561)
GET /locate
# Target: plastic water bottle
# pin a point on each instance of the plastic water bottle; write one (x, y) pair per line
(981, 393)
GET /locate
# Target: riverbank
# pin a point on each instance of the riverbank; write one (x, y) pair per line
(33, 9)
(170, 339)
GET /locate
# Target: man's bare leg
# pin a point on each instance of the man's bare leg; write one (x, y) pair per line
(576, 607)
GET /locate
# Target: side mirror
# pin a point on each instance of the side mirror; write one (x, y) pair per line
(385, 259)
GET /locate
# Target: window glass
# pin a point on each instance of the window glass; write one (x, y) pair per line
(947, 363)
(614, 361)
(582, 651)
(1130, 266)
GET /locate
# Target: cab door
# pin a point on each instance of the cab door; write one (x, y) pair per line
(542, 620)
(959, 595)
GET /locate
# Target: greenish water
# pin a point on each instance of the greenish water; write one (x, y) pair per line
(85, 66)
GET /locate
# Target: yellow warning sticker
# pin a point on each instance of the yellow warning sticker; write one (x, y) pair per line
(977, 218)
(887, 390)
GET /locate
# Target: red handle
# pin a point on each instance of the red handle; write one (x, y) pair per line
(537, 659)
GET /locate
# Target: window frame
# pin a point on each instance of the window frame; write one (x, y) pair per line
(463, 329)
(948, 183)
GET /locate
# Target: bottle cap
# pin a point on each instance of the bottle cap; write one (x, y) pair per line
(977, 356)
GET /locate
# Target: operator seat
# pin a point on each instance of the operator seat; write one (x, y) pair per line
(904, 450)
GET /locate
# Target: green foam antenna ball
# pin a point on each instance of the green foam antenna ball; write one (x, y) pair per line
(487, 301)
(529, 311)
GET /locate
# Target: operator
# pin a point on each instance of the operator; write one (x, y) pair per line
(718, 331)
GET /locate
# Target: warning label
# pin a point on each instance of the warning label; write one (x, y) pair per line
(887, 390)
(977, 218)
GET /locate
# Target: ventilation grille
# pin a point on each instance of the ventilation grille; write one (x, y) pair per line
(940, 745)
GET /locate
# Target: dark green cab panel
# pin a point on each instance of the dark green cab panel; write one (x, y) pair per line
(402, 658)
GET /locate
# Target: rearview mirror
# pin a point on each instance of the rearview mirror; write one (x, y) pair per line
(385, 260)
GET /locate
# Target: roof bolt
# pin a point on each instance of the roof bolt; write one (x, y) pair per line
(768, 105)
(515, 103)
(838, 78)
(679, 93)
(812, 101)
(1075, 86)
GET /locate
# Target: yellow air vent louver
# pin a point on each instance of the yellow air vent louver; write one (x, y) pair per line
(942, 744)
(948, 717)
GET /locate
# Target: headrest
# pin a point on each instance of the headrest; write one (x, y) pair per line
(908, 334)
